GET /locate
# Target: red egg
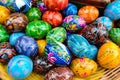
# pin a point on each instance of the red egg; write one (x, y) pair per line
(52, 17)
(56, 4)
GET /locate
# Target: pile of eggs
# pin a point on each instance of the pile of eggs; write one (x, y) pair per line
(57, 39)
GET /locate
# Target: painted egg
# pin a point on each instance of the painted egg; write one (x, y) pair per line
(73, 23)
(58, 54)
(4, 13)
(113, 10)
(109, 55)
(41, 46)
(83, 67)
(95, 33)
(20, 67)
(71, 9)
(58, 34)
(4, 36)
(56, 4)
(59, 73)
(42, 6)
(52, 17)
(6, 52)
(33, 14)
(89, 13)
(16, 22)
(42, 65)
(26, 46)
(38, 29)
(14, 37)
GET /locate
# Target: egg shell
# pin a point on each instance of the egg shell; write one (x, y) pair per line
(42, 6)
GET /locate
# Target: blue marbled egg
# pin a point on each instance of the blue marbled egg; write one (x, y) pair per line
(26, 46)
(20, 67)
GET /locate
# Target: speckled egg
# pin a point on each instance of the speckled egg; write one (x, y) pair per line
(6, 52)
(83, 67)
(73, 23)
(42, 7)
(38, 29)
(16, 22)
(20, 67)
(26, 46)
(59, 73)
(58, 54)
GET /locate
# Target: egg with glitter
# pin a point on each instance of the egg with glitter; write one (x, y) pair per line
(42, 7)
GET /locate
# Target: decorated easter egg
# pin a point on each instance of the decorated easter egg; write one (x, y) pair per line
(33, 14)
(56, 4)
(4, 13)
(41, 46)
(52, 17)
(83, 67)
(73, 23)
(58, 34)
(38, 29)
(16, 22)
(6, 52)
(89, 13)
(71, 9)
(58, 54)
(4, 36)
(42, 65)
(59, 73)
(113, 10)
(109, 55)
(42, 6)
(20, 67)
(26, 46)
(14, 37)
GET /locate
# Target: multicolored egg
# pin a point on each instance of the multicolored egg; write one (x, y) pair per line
(109, 55)
(20, 67)
(4, 14)
(59, 34)
(52, 17)
(6, 52)
(26, 46)
(4, 36)
(113, 10)
(59, 73)
(33, 14)
(71, 9)
(73, 23)
(16, 22)
(42, 7)
(58, 54)
(56, 4)
(89, 13)
(83, 67)
(38, 29)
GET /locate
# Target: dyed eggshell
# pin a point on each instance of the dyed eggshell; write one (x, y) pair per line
(4, 36)
(33, 14)
(42, 7)
(56, 4)
(41, 46)
(16, 22)
(52, 17)
(6, 52)
(83, 67)
(89, 13)
(71, 9)
(26, 46)
(109, 55)
(42, 65)
(20, 67)
(38, 29)
(58, 54)
(14, 37)
(113, 10)
(59, 73)
(73, 23)
(58, 34)
(4, 13)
